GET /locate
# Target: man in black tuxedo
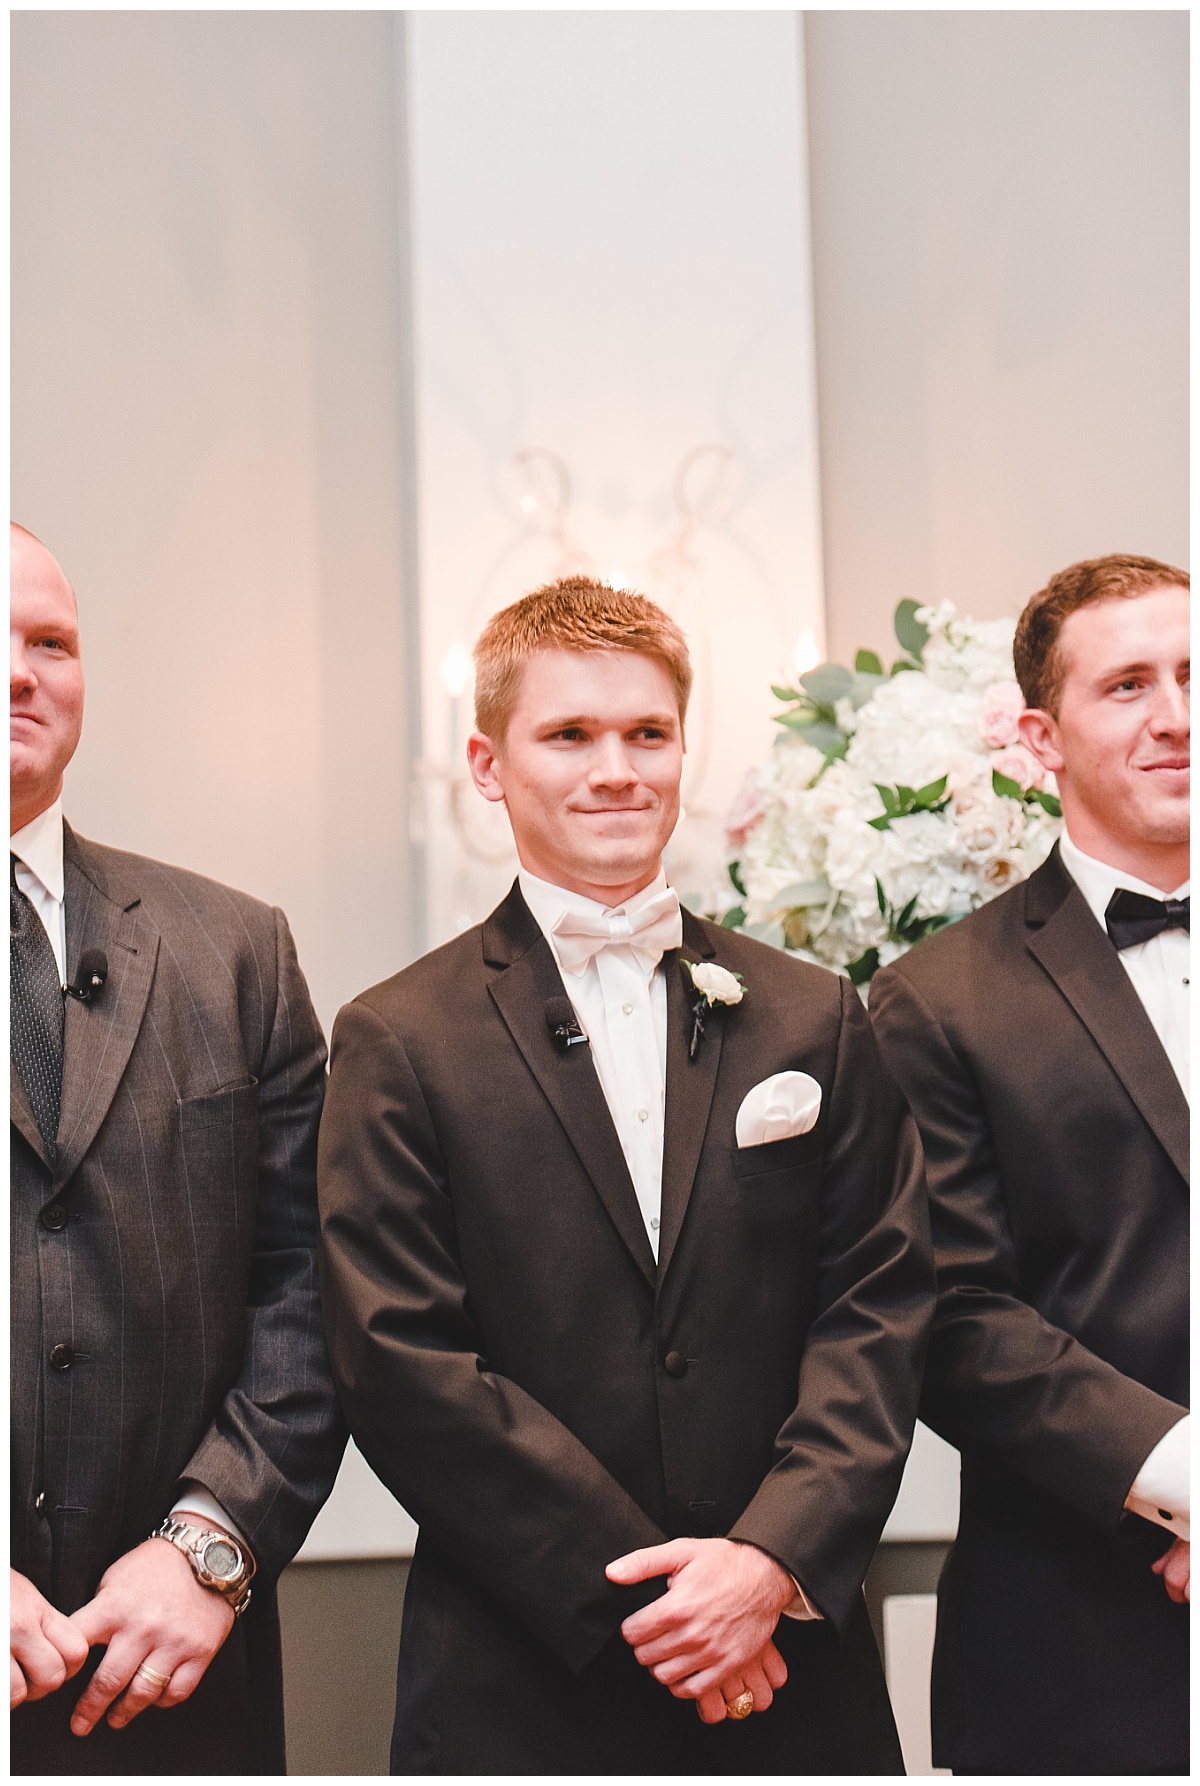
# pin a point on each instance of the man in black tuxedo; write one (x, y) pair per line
(1042, 1044)
(169, 1367)
(626, 1270)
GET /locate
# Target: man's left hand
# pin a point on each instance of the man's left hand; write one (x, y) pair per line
(149, 1609)
(713, 1624)
(1175, 1567)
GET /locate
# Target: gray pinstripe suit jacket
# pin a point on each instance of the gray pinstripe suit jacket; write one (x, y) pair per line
(183, 1277)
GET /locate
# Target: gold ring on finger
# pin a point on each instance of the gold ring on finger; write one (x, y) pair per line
(152, 1675)
(741, 1707)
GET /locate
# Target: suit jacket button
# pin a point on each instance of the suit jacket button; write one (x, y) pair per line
(54, 1217)
(61, 1357)
(39, 1506)
(675, 1364)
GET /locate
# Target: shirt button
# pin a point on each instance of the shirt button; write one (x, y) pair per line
(643, 1115)
(628, 1010)
(62, 1357)
(54, 1217)
(654, 1222)
(675, 1364)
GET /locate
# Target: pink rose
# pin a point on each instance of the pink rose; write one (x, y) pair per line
(1003, 704)
(745, 812)
(1020, 765)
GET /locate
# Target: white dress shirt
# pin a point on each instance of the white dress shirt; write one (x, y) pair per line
(1160, 973)
(622, 1010)
(38, 847)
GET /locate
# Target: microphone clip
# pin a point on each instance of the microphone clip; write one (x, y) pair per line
(563, 1024)
(90, 976)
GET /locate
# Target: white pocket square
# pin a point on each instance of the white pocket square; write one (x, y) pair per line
(785, 1104)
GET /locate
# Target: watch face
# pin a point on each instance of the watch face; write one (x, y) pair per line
(221, 1559)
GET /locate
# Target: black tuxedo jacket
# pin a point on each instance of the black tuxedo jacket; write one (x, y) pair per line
(543, 1399)
(1056, 1141)
(171, 1246)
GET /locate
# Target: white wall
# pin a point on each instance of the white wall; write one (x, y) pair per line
(207, 431)
(611, 263)
(1000, 225)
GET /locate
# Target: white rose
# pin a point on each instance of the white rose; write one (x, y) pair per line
(718, 985)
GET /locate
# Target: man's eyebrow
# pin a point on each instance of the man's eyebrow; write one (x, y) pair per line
(590, 719)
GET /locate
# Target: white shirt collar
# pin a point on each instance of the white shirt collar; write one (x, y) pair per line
(548, 902)
(1098, 882)
(39, 845)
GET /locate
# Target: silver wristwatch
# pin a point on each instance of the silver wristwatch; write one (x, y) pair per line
(218, 1561)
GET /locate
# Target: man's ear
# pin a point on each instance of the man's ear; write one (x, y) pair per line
(483, 760)
(1039, 734)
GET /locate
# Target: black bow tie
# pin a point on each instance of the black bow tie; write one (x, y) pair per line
(1133, 918)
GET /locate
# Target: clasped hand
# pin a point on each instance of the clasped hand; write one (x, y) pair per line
(1175, 1567)
(709, 1637)
(149, 1610)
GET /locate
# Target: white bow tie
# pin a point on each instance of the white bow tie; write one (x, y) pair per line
(653, 929)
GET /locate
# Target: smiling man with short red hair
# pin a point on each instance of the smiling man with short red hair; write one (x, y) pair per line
(626, 1271)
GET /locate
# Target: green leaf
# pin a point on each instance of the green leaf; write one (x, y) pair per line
(932, 792)
(770, 932)
(1049, 803)
(911, 633)
(734, 918)
(883, 822)
(860, 971)
(888, 796)
(865, 684)
(823, 735)
(903, 663)
(867, 662)
(827, 683)
(881, 897)
(1006, 787)
(797, 718)
(735, 875)
(800, 895)
(905, 796)
(785, 694)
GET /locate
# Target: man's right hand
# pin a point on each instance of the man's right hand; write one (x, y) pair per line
(1175, 1567)
(45, 1648)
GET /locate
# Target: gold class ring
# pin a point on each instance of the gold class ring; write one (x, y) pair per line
(741, 1707)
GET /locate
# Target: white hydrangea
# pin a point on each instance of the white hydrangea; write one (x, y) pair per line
(813, 865)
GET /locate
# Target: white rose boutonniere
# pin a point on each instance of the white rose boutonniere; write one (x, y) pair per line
(715, 986)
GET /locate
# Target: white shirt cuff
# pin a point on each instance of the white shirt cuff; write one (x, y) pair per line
(801, 1607)
(1161, 1491)
(207, 1509)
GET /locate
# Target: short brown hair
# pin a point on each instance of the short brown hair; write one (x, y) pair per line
(1036, 657)
(574, 614)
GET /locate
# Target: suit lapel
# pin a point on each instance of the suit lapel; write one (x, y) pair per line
(99, 1036)
(690, 1084)
(1071, 947)
(527, 977)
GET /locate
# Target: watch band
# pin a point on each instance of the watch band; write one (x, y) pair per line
(196, 1543)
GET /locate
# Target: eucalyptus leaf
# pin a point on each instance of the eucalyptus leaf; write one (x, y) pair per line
(865, 684)
(911, 634)
(734, 918)
(868, 663)
(770, 931)
(801, 893)
(822, 734)
(827, 683)
(785, 694)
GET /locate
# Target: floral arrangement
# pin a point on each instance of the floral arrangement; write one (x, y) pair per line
(893, 802)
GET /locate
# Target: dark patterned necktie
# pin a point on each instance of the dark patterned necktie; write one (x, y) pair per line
(36, 1015)
(1132, 918)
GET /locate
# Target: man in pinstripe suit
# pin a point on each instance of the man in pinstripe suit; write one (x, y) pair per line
(174, 1422)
